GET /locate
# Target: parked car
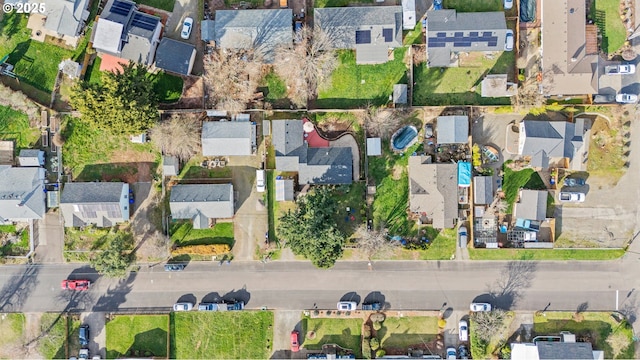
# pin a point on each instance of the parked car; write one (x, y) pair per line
(566, 196)
(83, 335)
(374, 306)
(174, 267)
(83, 354)
(437, 5)
(260, 181)
(627, 98)
(295, 344)
(475, 307)
(235, 305)
(132, 198)
(77, 285)
(622, 69)
(451, 353)
(569, 182)
(508, 41)
(508, 4)
(428, 131)
(347, 305)
(209, 307)
(463, 352)
(182, 306)
(462, 236)
(186, 28)
(463, 330)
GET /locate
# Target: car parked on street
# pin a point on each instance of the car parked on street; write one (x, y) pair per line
(567, 196)
(627, 98)
(571, 182)
(182, 306)
(77, 285)
(463, 352)
(347, 305)
(295, 344)
(476, 307)
(174, 267)
(451, 353)
(187, 26)
(463, 330)
(83, 335)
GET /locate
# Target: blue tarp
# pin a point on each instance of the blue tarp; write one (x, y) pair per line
(464, 174)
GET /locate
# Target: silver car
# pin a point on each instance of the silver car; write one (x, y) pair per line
(182, 306)
(476, 307)
(347, 305)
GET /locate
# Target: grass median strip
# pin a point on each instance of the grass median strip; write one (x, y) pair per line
(545, 254)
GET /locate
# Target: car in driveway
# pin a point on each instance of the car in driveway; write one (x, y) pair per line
(187, 26)
(508, 4)
(571, 182)
(295, 342)
(174, 267)
(566, 196)
(463, 352)
(462, 236)
(477, 307)
(463, 330)
(182, 306)
(83, 335)
(451, 353)
(508, 41)
(627, 98)
(76, 285)
(621, 69)
(347, 305)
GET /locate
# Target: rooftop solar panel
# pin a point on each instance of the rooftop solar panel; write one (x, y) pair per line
(388, 35)
(437, 44)
(144, 22)
(458, 34)
(493, 43)
(121, 8)
(473, 33)
(441, 34)
(363, 36)
(486, 33)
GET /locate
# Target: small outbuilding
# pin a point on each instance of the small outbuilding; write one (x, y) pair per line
(170, 166)
(284, 190)
(400, 94)
(31, 157)
(175, 56)
(453, 129)
(374, 147)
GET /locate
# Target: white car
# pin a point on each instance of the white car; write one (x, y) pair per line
(186, 28)
(508, 4)
(463, 330)
(462, 236)
(566, 196)
(182, 306)
(347, 305)
(475, 307)
(627, 98)
(508, 41)
(260, 180)
(451, 353)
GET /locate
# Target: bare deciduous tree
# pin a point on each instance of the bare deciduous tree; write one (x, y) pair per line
(232, 77)
(177, 136)
(488, 323)
(372, 243)
(381, 122)
(531, 93)
(306, 65)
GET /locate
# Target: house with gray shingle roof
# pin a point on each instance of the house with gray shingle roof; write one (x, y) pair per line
(175, 56)
(228, 138)
(22, 195)
(201, 203)
(452, 129)
(548, 141)
(207, 30)
(371, 30)
(483, 190)
(103, 204)
(261, 29)
(31, 157)
(450, 32)
(433, 191)
(61, 19)
(326, 165)
(531, 205)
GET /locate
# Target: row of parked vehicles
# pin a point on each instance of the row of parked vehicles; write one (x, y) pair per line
(223, 306)
(352, 305)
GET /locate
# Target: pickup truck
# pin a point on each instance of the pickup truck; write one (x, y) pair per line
(621, 69)
(372, 306)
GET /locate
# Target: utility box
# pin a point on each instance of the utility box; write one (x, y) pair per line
(283, 4)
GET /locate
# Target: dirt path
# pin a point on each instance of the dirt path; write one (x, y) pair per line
(151, 244)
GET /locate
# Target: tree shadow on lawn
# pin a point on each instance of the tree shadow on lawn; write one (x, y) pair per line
(145, 345)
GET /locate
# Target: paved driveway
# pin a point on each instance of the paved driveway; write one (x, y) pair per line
(50, 233)
(181, 10)
(97, 332)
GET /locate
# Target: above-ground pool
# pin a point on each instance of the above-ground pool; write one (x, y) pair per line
(404, 137)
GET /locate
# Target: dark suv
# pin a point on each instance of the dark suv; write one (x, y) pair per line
(174, 267)
(83, 335)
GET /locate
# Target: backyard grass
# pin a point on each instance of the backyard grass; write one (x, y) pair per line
(606, 151)
(78, 244)
(339, 3)
(166, 5)
(606, 14)
(15, 248)
(167, 87)
(93, 74)
(276, 88)
(516, 180)
(545, 254)
(461, 85)
(11, 331)
(183, 233)
(473, 5)
(227, 335)
(442, 246)
(352, 197)
(137, 336)
(414, 36)
(52, 346)
(354, 85)
(596, 325)
(343, 332)
(402, 333)
(193, 170)
(14, 125)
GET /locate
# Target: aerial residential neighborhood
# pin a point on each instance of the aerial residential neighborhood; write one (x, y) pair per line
(319, 179)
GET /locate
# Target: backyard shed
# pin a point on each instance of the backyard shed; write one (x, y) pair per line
(453, 129)
(6, 152)
(400, 94)
(483, 190)
(31, 157)
(170, 166)
(284, 190)
(374, 147)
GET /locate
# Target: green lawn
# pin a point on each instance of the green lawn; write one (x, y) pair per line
(166, 5)
(14, 125)
(93, 74)
(607, 16)
(276, 88)
(11, 331)
(18, 248)
(354, 85)
(193, 170)
(515, 180)
(597, 325)
(545, 254)
(137, 336)
(414, 36)
(461, 85)
(271, 204)
(226, 335)
(407, 331)
(352, 197)
(52, 346)
(183, 233)
(473, 5)
(339, 3)
(167, 87)
(343, 332)
(442, 246)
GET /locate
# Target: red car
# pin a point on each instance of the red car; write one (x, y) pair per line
(295, 345)
(78, 285)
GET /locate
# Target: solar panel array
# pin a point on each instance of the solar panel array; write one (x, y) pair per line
(459, 39)
(387, 34)
(121, 8)
(363, 36)
(144, 22)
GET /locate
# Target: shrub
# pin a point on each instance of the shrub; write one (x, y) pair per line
(380, 353)
(377, 317)
(377, 325)
(366, 349)
(366, 331)
(207, 250)
(374, 343)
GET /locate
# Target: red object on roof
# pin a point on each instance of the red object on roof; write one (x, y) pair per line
(314, 139)
(112, 63)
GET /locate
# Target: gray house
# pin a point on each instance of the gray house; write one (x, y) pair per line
(61, 19)
(449, 33)
(371, 30)
(546, 141)
(31, 157)
(103, 204)
(261, 29)
(452, 129)
(22, 195)
(531, 205)
(326, 165)
(433, 191)
(175, 56)
(228, 138)
(123, 33)
(201, 203)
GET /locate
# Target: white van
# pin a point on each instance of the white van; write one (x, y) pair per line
(260, 180)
